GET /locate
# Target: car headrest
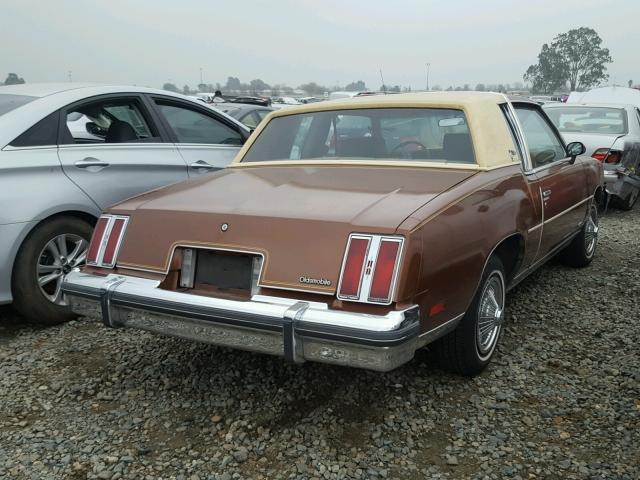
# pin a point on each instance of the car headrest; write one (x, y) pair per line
(120, 132)
(457, 147)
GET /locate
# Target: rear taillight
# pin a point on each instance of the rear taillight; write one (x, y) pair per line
(351, 277)
(370, 268)
(96, 240)
(112, 244)
(383, 273)
(607, 156)
(106, 240)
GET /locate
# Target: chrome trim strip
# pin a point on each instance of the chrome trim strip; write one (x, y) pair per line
(544, 222)
(548, 166)
(568, 210)
(441, 330)
(11, 148)
(116, 146)
(369, 265)
(220, 146)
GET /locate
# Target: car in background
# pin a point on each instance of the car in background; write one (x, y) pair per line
(306, 100)
(199, 99)
(250, 115)
(67, 152)
(611, 134)
(374, 226)
(284, 102)
(265, 102)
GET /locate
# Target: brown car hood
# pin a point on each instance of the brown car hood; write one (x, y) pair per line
(298, 217)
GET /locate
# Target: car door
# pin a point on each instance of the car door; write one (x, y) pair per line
(206, 140)
(559, 180)
(112, 149)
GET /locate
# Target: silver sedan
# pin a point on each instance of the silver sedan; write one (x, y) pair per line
(611, 134)
(69, 151)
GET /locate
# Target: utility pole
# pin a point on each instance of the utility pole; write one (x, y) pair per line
(428, 67)
(69, 75)
(384, 86)
(201, 81)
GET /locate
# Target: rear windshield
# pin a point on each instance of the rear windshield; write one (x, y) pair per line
(9, 102)
(419, 134)
(589, 119)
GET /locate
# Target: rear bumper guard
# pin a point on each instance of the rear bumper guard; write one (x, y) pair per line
(294, 329)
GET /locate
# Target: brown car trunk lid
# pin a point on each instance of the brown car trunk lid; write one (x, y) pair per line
(298, 218)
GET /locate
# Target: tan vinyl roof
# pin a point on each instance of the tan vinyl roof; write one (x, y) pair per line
(492, 142)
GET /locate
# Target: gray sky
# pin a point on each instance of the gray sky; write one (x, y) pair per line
(149, 42)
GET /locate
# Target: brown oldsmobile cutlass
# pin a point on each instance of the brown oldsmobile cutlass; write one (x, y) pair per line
(353, 233)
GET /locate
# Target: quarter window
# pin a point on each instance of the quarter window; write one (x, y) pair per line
(191, 126)
(43, 133)
(544, 145)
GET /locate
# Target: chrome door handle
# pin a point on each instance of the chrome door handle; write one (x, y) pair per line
(546, 194)
(90, 162)
(203, 164)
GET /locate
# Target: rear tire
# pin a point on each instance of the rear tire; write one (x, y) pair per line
(469, 348)
(49, 252)
(580, 252)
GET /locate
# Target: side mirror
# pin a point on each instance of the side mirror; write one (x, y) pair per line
(574, 149)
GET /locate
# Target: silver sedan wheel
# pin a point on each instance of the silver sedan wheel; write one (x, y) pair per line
(56, 259)
(490, 315)
(591, 231)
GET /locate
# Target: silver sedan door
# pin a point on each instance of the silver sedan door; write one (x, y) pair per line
(206, 140)
(118, 151)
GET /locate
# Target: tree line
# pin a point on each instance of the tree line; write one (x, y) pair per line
(257, 86)
(233, 84)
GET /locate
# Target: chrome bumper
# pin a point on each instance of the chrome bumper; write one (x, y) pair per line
(294, 329)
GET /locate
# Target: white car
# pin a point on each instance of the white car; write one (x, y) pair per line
(68, 151)
(282, 102)
(611, 134)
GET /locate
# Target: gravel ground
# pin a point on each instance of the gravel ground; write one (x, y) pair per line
(561, 399)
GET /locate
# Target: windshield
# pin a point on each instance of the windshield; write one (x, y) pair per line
(610, 121)
(421, 134)
(9, 102)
